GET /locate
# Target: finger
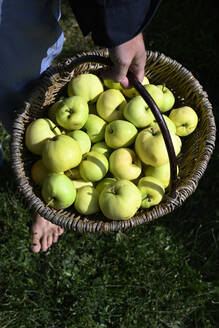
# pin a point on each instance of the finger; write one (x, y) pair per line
(115, 73)
(125, 83)
(137, 66)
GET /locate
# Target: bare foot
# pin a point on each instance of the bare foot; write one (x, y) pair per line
(43, 234)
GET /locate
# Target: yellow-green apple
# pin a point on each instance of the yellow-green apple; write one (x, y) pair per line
(124, 164)
(72, 113)
(168, 98)
(94, 166)
(37, 132)
(110, 104)
(82, 138)
(132, 92)
(151, 148)
(73, 173)
(138, 113)
(170, 125)
(185, 120)
(61, 153)
(81, 183)
(88, 86)
(58, 191)
(155, 93)
(104, 182)
(39, 172)
(110, 84)
(101, 147)
(161, 173)
(120, 133)
(95, 128)
(87, 200)
(120, 200)
(152, 191)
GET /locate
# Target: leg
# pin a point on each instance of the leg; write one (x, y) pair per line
(30, 38)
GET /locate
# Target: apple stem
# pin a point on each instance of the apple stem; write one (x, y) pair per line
(152, 131)
(49, 202)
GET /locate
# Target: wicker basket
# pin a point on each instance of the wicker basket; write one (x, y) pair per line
(196, 150)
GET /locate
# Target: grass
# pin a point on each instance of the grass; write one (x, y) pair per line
(160, 275)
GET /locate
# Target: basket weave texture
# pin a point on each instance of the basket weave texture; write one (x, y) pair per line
(196, 150)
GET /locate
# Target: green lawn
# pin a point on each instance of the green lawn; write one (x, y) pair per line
(160, 275)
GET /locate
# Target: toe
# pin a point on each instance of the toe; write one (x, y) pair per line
(55, 237)
(60, 230)
(44, 243)
(35, 243)
(49, 240)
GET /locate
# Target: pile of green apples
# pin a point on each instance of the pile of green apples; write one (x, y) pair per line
(101, 150)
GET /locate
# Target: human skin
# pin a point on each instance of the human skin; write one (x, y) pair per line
(130, 55)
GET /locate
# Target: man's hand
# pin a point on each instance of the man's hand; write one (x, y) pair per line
(130, 55)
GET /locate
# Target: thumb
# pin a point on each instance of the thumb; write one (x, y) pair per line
(116, 73)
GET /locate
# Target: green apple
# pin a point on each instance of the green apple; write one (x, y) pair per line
(82, 138)
(170, 125)
(110, 84)
(104, 182)
(161, 173)
(155, 93)
(37, 132)
(138, 113)
(73, 173)
(110, 105)
(120, 133)
(168, 98)
(58, 191)
(101, 147)
(124, 164)
(87, 200)
(39, 172)
(132, 92)
(94, 166)
(61, 153)
(151, 148)
(185, 120)
(95, 128)
(120, 200)
(81, 183)
(152, 191)
(72, 113)
(88, 86)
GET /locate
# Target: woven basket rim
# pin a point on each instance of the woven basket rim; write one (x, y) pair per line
(92, 224)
